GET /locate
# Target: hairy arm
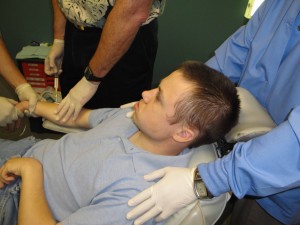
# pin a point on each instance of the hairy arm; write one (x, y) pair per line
(8, 68)
(59, 21)
(119, 31)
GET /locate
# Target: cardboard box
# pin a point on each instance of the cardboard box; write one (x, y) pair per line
(33, 70)
(31, 63)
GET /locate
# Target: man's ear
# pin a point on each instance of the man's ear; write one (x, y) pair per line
(185, 134)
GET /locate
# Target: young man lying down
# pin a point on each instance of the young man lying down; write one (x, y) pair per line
(88, 177)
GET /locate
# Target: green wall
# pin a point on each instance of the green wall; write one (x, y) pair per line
(24, 21)
(193, 29)
(189, 29)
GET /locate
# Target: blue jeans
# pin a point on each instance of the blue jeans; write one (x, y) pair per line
(10, 194)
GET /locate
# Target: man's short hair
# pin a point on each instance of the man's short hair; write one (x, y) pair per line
(213, 105)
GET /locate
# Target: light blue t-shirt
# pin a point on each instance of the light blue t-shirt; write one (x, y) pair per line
(264, 58)
(90, 176)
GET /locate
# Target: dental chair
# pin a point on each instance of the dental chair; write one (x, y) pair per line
(253, 121)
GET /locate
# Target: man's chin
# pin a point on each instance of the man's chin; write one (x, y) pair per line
(135, 119)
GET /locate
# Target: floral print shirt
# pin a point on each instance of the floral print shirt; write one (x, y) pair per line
(93, 13)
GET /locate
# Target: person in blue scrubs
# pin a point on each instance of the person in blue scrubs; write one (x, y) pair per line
(264, 57)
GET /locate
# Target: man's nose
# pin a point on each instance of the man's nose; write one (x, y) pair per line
(147, 95)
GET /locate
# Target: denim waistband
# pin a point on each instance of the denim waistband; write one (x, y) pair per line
(9, 203)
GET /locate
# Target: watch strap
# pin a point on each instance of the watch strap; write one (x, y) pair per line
(88, 73)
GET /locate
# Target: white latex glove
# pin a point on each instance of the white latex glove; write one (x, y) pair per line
(25, 92)
(54, 59)
(80, 94)
(174, 191)
(128, 105)
(8, 111)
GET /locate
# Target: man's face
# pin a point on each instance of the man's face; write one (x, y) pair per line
(154, 111)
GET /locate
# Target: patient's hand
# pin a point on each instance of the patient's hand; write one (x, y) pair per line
(17, 167)
(10, 116)
(15, 125)
(22, 106)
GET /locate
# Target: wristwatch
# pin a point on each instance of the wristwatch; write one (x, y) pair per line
(88, 73)
(200, 189)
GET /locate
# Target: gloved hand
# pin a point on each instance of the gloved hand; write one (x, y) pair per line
(54, 59)
(80, 94)
(25, 92)
(8, 111)
(174, 191)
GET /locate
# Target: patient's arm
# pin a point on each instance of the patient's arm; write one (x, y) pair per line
(46, 110)
(33, 206)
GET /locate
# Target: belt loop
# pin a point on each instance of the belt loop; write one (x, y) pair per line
(79, 27)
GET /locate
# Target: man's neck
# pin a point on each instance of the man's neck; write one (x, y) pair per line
(167, 147)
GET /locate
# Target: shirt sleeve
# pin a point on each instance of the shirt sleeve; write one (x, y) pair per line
(97, 116)
(231, 56)
(263, 166)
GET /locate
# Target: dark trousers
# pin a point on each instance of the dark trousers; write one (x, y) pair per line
(248, 212)
(128, 78)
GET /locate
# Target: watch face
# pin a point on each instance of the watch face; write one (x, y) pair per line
(90, 76)
(88, 71)
(201, 189)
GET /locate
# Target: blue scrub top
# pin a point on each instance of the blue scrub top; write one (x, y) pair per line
(264, 57)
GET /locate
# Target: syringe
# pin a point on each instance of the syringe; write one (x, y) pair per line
(56, 86)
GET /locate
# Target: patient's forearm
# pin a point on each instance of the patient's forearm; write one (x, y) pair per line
(47, 109)
(33, 207)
